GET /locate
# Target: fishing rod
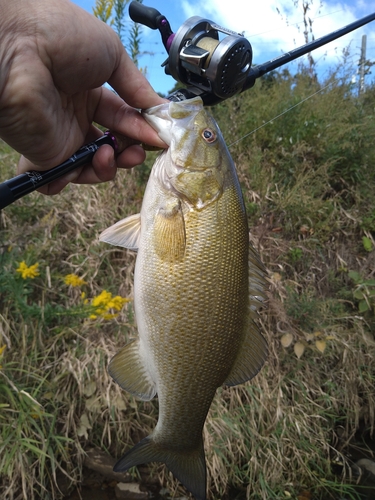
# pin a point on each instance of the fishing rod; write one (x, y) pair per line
(210, 68)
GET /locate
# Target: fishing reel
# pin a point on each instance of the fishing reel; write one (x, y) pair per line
(202, 55)
(198, 57)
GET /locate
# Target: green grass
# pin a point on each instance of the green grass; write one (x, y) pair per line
(308, 184)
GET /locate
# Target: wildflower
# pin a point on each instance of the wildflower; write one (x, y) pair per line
(83, 297)
(28, 271)
(117, 303)
(2, 349)
(102, 299)
(74, 280)
(104, 302)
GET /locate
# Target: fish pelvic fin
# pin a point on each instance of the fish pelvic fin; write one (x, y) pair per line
(188, 467)
(128, 369)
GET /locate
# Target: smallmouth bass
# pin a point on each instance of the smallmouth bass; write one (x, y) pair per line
(197, 285)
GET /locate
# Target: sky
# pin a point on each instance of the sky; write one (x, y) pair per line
(273, 27)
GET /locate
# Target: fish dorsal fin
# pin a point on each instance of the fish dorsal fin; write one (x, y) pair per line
(125, 233)
(253, 350)
(127, 368)
(169, 234)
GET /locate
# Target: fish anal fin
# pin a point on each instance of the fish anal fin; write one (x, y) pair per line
(253, 350)
(169, 234)
(125, 233)
(250, 359)
(188, 467)
(257, 281)
(127, 368)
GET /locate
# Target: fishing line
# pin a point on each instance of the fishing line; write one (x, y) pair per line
(292, 24)
(281, 114)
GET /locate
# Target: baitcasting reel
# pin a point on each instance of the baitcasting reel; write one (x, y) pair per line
(214, 68)
(197, 56)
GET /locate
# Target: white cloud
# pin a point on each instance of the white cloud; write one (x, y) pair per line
(274, 27)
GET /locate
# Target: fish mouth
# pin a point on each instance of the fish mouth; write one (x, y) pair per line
(159, 119)
(164, 116)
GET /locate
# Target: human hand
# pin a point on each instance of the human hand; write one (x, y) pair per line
(54, 59)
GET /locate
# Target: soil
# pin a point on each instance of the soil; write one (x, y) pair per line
(99, 480)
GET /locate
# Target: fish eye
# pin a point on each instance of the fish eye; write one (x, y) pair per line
(209, 135)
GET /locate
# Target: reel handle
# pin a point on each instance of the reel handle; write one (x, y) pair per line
(152, 18)
(141, 14)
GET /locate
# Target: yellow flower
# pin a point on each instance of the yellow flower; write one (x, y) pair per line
(2, 349)
(117, 303)
(28, 271)
(74, 280)
(104, 302)
(102, 299)
(108, 315)
(83, 297)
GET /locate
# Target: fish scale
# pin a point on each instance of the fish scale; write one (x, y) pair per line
(197, 286)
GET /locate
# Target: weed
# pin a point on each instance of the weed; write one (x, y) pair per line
(364, 292)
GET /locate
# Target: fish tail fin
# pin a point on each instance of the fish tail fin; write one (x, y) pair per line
(188, 467)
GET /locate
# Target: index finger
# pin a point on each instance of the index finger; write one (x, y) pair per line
(113, 113)
(132, 85)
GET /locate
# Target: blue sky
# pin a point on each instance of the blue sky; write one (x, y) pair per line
(272, 27)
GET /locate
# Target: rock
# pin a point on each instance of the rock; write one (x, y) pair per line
(102, 463)
(130, 491)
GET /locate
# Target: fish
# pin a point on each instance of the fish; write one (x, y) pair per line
(198, 284)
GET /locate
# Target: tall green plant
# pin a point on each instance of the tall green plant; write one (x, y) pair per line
(135, 41)
(112, 12)
(103, 10)
(119, 13)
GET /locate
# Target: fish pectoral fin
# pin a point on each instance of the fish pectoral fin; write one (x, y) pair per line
(125, 233)
(169, 234)
(127, 368)
(251, 356)
(188, 467)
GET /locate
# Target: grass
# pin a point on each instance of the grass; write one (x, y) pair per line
(310, 200)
